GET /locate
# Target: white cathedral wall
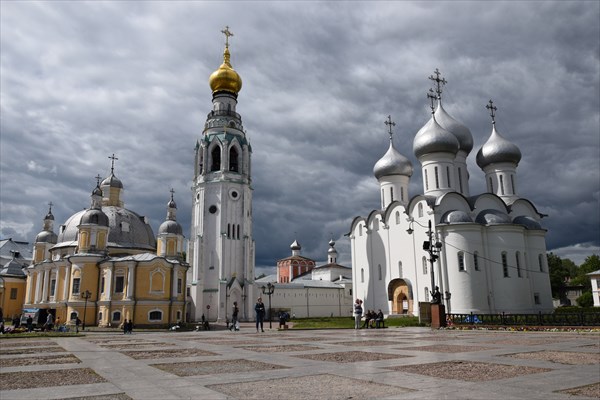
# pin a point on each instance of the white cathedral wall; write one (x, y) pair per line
(304, 302)
(540, 280)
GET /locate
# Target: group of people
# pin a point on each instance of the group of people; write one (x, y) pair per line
(372, 319)
(128, 327)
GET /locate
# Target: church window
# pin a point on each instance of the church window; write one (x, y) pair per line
(119, 284)
(401, 194)
(238, 231)
(228, 231)
(376, 224)
(102, 282)
(157, 281)
(501, 184)
(391, 194)
(360, 230)
(424, 265)
(518, 259)
(13, 293)
(216, 158)
(400, 274)
(476, 261)
(460, 185)
(379, 271)
(437, 178)
(461, 261)
(52, 287)
(426, 181)
(536, 298)
(382, 198)
(541, 262)
(74, 316)
(188, 291)
(448, 176)
(426, 294)
(504, 265)
(491, 185)
(76, 283)
(178, 315)
(233, 160)
(397, 217)
(526, 265)
(420, 207)
(512, 184)
(116, 317)
(362, 275)
(155, 316)
(124, 226)
(179, 285)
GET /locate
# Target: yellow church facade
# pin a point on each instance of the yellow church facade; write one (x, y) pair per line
(105, 266)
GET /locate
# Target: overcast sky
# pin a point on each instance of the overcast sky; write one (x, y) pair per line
(82, 80)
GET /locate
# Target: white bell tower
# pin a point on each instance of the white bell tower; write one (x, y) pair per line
(221, 250)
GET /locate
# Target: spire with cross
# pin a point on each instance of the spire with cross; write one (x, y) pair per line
(50, 207)
(172, 193)
(490, 106)
(439, 82)
(227, 34)
(390, 123)
(432, 97)
(98, 177)
(112, 165)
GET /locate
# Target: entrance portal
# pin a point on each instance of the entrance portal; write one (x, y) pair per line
(400, 294)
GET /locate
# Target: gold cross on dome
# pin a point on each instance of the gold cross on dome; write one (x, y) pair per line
(227, 34)
(490, 106)
(390, 123)
(438, 82)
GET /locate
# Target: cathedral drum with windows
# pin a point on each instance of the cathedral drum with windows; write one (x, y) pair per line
(492, 247)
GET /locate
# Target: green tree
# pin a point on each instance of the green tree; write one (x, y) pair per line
(558, 273)
(591, 264)
(585, 300)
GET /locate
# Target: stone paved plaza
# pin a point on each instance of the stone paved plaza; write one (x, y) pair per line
(393, 363)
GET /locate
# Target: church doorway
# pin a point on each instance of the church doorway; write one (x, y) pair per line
(400, 294)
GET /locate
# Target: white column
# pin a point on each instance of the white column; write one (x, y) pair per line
(29, 300)
(130, 282)
(38, 286)
(109, 278)
(45, 287)
(66, 293)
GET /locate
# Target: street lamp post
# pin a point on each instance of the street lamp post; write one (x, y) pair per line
(433, 247)
(269, 291)
(85, 295)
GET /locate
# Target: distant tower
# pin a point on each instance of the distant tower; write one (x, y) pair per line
(45, 239)
(170, 234)
(221, 250)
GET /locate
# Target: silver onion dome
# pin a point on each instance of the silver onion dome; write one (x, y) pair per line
(295, 245)
(170, 226)
(112, 181)
(432, 138)
(462, 133)
(46, 237)
(95, 216)
(497, 150)
(392, 163)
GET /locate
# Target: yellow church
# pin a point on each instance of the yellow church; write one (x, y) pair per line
(105, 265)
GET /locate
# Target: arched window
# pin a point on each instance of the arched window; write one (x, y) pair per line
(448, 176)
(504, 265)
(420, 210)
(460, 179)
(541, 262)
(426, 181)
(397, 217)
(512, 184)
(501, 184)
(155, 316)
(360, 230)
(216, 158)
(116, 317)
(424, 265)
(400, 274)
(157, 281)
(461, 261)
(379, 271)
(491, 185)
(233, 160)
(476, 261)
(401, 194)
(391, 194)
(437, 177)
(228, 231)
(362, 275)
(73, 316)
(426, 294)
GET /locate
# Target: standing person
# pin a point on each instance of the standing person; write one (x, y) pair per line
(357, 313)
(77, 323)
(130, 327)
(234, 317)
(49, 322)
(29, 324)
(125, 327)
(259, 308)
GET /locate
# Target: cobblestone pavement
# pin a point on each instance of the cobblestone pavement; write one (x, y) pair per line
(392, 363)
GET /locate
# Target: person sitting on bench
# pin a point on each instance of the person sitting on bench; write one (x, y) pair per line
(379, 320)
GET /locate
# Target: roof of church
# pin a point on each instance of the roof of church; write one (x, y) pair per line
(332, 265)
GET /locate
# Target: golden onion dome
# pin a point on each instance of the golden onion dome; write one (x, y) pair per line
(225, 78)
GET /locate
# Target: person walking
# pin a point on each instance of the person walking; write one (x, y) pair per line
(77, 323)
(259, 309)
(234, 317)
(358, 311)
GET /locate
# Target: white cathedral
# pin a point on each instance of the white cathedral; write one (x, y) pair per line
(221, 246)
(489, 249)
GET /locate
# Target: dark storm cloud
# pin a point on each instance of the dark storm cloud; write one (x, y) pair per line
(81, 81)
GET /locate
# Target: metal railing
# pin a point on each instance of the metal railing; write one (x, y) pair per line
(557, 319)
